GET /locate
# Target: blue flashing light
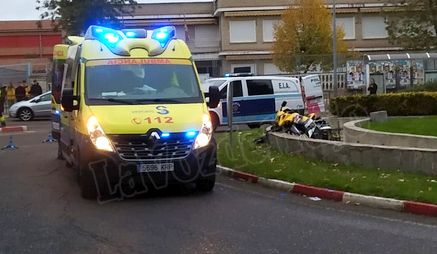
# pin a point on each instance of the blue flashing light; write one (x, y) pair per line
(107, 36)
(165, 135)
(57, 112)
(130, 34)
(190, 134)
(227, 75)
(112, 37)
(163, 35)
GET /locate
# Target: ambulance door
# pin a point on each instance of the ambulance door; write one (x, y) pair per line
(68, 118)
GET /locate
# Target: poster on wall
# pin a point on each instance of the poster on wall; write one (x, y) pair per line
(356, 76)
(401, 70)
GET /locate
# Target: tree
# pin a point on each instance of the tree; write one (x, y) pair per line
(75, 16)
(412, 24)
(304, 37)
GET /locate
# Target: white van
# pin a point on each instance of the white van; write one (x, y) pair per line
(313, 94)
(255, 98)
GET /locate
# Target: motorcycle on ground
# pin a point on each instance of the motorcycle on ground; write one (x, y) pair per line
(291, 122)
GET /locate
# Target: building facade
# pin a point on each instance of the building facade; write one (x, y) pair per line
(237, 36)
(26, 49)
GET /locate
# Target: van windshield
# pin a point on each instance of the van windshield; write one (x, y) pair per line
(141, 81)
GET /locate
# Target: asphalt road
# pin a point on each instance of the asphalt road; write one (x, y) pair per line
(41, 211)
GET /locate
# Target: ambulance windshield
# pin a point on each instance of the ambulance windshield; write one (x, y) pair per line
(141, 81)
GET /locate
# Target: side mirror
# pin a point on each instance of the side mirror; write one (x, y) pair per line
(69, 101)
(214, 97)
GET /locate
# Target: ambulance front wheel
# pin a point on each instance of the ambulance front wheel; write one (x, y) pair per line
(87, 184)
(60, 155)
(205, 184)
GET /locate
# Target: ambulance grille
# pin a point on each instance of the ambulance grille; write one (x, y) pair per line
(141, 147)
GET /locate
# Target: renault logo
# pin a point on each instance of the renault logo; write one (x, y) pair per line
(154, 135)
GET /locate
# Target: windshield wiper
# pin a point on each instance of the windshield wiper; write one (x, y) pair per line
(128, 102)
(158, 100)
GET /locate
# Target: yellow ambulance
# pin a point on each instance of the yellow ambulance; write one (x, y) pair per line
(133, 113)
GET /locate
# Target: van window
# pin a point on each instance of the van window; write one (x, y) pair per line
(259, 87)
(238, 90)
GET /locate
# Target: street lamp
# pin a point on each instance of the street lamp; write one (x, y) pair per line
(334, 47)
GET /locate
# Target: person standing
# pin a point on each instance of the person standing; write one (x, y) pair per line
(35, 89)
(10, 94)
(373, 87)
(20, 92)
(27, 89)
(2, 106)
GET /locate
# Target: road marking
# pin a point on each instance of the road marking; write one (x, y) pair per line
(336, 209)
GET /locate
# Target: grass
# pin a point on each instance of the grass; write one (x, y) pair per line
(262, 160)
(423, 125)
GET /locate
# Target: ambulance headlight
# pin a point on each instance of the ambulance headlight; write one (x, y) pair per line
(205, 133)
(97, 136)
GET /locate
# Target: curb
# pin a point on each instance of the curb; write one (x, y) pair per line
(9, 129)
(340, 196)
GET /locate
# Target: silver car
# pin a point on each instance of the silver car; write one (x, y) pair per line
(39, 106)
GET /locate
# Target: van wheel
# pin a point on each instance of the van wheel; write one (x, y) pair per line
(87, 184)
(254, 125)
(205, 184)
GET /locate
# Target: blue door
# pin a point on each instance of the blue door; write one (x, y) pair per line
(257, 106)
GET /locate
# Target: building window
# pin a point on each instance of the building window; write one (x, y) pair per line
(269, 30)
(243, 68)
(259, 87)
(348, 25)
(242, 31)
(206, 36)
(374, 28)
(271, 69)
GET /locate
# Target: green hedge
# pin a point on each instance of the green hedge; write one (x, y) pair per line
(396, 104)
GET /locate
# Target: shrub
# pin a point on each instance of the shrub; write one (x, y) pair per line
(427, 87)
(396, 104)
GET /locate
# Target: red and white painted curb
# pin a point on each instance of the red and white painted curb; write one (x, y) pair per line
(345, 197)
(9, 129)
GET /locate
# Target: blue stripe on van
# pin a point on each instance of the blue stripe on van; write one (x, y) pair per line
(251, 107)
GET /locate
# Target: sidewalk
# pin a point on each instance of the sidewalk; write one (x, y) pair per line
(345, 197)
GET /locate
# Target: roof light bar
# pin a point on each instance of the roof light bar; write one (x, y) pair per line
(135, 33)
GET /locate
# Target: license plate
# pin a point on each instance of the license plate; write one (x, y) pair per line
(163, 167)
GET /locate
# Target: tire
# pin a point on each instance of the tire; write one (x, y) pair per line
(205, 184)
(25, 114)
(87, 184)
(60, 155)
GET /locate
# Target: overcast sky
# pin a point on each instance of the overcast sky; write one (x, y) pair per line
(25, 9)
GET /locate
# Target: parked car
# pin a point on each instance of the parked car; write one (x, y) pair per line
(39, 106)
